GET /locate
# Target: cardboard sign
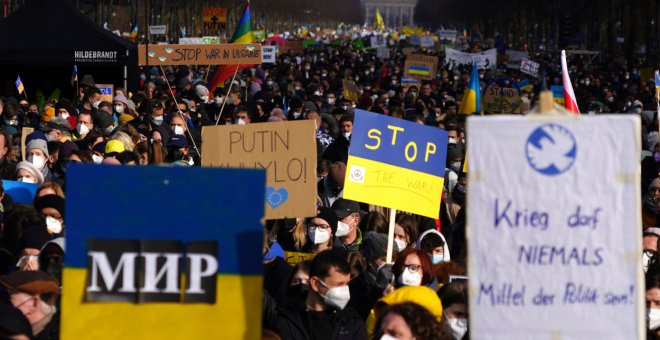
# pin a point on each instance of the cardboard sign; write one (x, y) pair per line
(287, 150)
(24, 132)
(558, 94)
(158, 29)
(221, 54)
(396, 164)
(293, 258)
(351, 91)
(107, 92)
(514, 58)
(20, 192)
(486, 59)
(568, 262)
(268, 54)
(290, 46)
(406, 83)
(214, 18)
(500, 98)
(186, 246)
(529, 67)
(420, 67)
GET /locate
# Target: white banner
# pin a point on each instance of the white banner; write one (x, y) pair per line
(485, 59)
(515, 57)
(268, 54)
(378, 41)
(427, 41)
(554, 228)
(529, 67)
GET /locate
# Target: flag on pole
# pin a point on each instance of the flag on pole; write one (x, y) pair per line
(134, 31)
(657, 88)
(74, 75)
(242, 35)
(19, 85)
(569, 95)
(471, 101)
(378, 21)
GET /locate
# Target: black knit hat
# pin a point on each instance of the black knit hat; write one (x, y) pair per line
(50, 201)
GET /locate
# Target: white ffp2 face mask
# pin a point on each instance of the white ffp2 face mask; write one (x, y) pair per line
(409, 278)
(37, 161)
(97, 159)
(54, 225)
(26, 180)
(343, 229)
(653, 317)
(337, 297)
(82, 129)
(459, 327)
(319, 236)
(401, 244)
(177, 130)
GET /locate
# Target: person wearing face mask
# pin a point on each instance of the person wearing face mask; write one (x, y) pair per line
(295, 108)
(37, 153)
(91, 100)
(122, 109)
(413, 268)
(323, 314)
(321, 231)
(337, 151)
(177, 151)
(51, 257)
(348, 235)
(405, 230)
(26, 172)
(433, 243)
(653, 302)
(455, 308)
(649, 245)
(65, 109)
(52, 207)
(454, 162)
(242, 115)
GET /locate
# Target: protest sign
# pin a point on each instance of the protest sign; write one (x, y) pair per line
(209, 40)
(20, 192)
(396, 164)
(287, 150)
(553, 231)
(427, 41)
(350, 90)
(449, 35)
(221, 54)
(259, 35)
(514, 58)
(107, 92)
(486, 59)
(501, 95)
(158, 29)
(378, 40)
(155, 266)
(290, 46)
(406, 83)
(383, 53)
(529, 67)
(293, 257)
(558, 94)
(415, 40)
(420, 67)
(408, 50)
(267, 54)
(214, 18)
(25, 131)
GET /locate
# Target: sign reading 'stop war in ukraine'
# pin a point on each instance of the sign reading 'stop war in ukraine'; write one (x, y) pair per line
(178, 247)
(395, 163)
(554, 228)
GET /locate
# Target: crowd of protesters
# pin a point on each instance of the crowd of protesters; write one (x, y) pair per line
(347, 290)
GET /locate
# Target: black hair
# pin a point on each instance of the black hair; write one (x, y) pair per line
(430, 242)
(327, 259)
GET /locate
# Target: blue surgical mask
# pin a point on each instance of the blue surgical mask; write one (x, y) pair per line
(437, 258)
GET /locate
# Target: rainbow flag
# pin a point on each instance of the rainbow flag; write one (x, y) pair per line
(471, 101)
(242, 35)
(134, 31)
(19, 85)
(657, 89)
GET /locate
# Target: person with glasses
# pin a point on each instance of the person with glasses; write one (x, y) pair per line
(412, 268)
(321, 231)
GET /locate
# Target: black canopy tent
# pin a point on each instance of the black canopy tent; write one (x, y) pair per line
(43, 39)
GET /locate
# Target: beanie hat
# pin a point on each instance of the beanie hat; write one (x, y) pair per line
(29, 167)
(64, 104)
(67, 148)
(200, 90)
(33, 283)
(48, 114)
(454, 152)
(103, 120)
(121, 98)
(35, 135)
(329, 216)
(374, 246)
(38, 144)
(33, 237)
(114, 145)
(423, 296)
(50, 201)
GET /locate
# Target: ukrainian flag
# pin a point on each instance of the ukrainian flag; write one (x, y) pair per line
(224, 201)
(657, 88)
(419, 70)
(471, 101)
(19, 85)
(378, 21)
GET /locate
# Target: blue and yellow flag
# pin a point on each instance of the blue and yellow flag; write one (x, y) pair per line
(396, 164)
(74, 75)
(657, 89)
(153, 271)
(471, 101)
(19, 85)
(379, 24)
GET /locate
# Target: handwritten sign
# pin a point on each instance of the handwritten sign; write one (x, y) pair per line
(501, 95)
(529, 67)
(396, 164)
(268, 54)
(214, 18)
(485, 59)
(427, 41)
(286, 150)
(293, 258)
(221, 54)
(449, 35)
(406, 83)
(351, 91)
(107, 92)
(420, 66)
(567, 263)
(514, 58)
(290, 46)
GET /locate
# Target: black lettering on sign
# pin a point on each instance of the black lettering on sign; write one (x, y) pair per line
(151, 271)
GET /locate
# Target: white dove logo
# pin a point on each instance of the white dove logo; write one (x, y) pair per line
(551, 149)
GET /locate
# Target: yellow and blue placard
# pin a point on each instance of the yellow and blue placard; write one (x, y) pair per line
(396, 164)
(163, 253)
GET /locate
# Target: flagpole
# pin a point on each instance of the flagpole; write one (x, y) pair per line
(228, 90)
(177, 107)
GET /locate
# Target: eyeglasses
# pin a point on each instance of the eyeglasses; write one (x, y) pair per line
(413, 267)
(314, 226)
(24, 302)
